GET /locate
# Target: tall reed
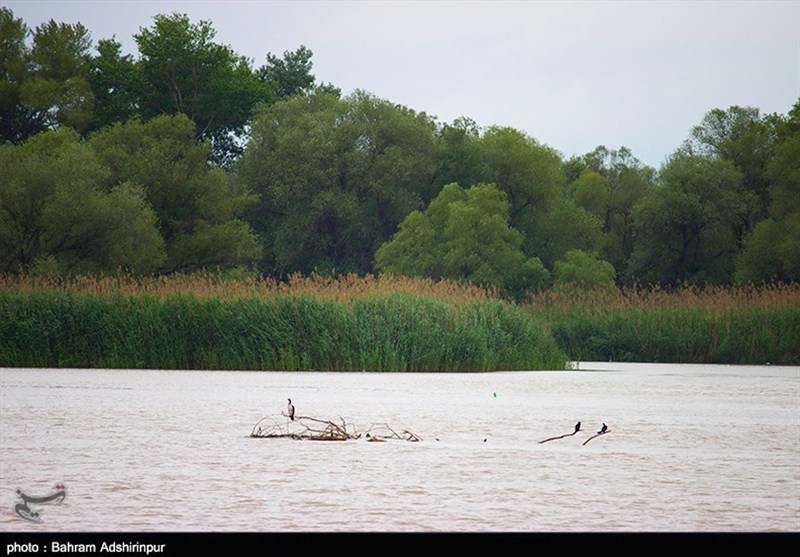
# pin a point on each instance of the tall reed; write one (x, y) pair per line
(730, 325)
(381, 323)
(391, 332)
(217, 285)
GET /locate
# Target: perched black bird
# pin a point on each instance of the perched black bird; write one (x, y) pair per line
(290, 409)
(577, 428)
(603, 429)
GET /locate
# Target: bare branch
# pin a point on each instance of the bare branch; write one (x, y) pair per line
(598, 434)
(307, 427)
(559, 437)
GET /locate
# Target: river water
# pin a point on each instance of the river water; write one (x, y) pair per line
(689, 448)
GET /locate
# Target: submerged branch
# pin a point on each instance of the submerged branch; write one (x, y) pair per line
(598, 434)
(392, 434)
(316, 429)
(559, 437)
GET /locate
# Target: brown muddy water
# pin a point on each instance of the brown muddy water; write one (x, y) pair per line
(690, 448)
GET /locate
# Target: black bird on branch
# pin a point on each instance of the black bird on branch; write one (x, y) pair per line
(603, 431)
(290, 410)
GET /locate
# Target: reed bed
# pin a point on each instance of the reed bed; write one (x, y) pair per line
(728, 325)
(395, 331)
(381, 323)
(205, 285)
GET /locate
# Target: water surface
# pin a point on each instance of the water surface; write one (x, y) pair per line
(689, 448)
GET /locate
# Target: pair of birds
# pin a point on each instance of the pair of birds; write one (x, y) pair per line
(290, 412)
(578, 428)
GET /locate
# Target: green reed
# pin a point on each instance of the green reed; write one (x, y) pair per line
(393, 332)
(752, 325)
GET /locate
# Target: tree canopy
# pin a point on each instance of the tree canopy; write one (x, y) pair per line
(772, 251)
(57, 217)
(464, 235)
(196, 203)
(687, 226)
(185, 155)
(335, 177)
(180, 69)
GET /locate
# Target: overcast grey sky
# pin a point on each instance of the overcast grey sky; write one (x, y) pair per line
(572, 74)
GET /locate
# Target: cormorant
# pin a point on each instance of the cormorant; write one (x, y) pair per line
(290, 409)
(577, 428)
(603, 429)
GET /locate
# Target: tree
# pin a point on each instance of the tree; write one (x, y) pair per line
(182, 70)
(526, 170)
(17, 121)
(591, 192)
(583, 270)
(56, 216)
(196, 204)
(58, 87)
(610, 183)
(114, 82)
(457, 156)
(335, 177)
(531, 175)
(744, 137)
(464, 234)
(289, 75)
(686, 228)
(772, 251)
(44, 86)
(563, 228)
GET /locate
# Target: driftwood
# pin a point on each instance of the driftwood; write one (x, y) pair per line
(381, 432)
(315, 429)
(559, 437)
(603, 431)
(577, 429)
(598, 434)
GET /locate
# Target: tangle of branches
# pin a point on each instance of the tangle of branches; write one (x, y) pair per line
(315, 429)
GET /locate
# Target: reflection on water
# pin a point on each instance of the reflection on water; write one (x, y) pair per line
(690, 448)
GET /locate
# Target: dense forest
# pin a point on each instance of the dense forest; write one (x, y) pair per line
(188, 157)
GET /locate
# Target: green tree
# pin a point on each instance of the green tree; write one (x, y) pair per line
(58, 86)
(744, 137)
(114, 81)
(457, 156)
(46, 85)
(289, 75)
(583, 270)
(465, 235)
(17, 121)
(196, 204)
(182, 70)
(772, 251)
(591, 191)
(686, 228)
(563, 228)
(526, 170)
(531, 175)
(610, 183)
(335, 177)
(55, 213)
(761, 260)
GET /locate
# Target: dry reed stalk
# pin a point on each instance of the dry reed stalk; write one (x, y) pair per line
(209, 285)
(714, 299)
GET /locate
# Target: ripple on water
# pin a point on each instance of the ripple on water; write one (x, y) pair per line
(153, 451)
